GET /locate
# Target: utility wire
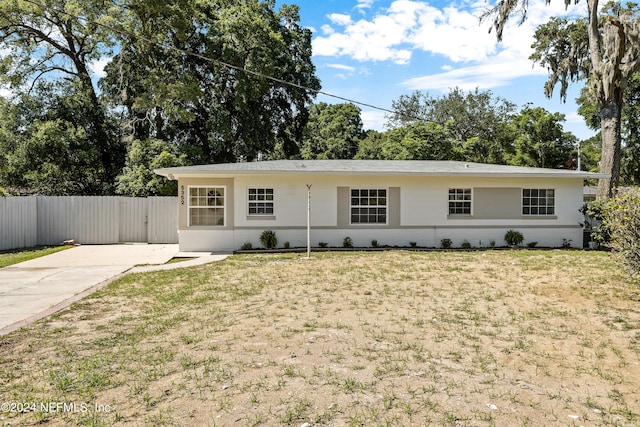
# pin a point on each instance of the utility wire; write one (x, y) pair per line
(217, 61)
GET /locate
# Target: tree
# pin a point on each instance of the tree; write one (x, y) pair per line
(138, 179)
(591, 149)
(621, 225)
(630, 129)
(478, 121)
(194, 74)
(332, 132)
(607, 57)
(630, 162)
(414, 141)
(541, 141)
(44, 143)
(61, 39)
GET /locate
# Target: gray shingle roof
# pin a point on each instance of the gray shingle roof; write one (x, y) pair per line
(369, 167)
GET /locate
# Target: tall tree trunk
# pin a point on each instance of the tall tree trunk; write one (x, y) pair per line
(610, 118)
(98, 133)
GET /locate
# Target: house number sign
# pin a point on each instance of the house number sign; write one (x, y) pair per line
(182, 194)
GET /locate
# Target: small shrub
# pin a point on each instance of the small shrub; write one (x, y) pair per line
(413, 244)
(374, 243)
(532, 244)
(268, 239)
(492, 244)
(621, 222)
(566, 243)
(513, 238)
(446, 243)
(246, 246)
(594, 213)
(465, 244)
(287, 245)
(347, 242)
(323, 244)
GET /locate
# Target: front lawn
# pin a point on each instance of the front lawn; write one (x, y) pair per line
(545, 337)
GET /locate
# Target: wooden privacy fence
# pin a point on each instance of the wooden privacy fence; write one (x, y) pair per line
(49, 220)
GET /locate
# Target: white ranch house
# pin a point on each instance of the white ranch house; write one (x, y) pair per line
(223, 206)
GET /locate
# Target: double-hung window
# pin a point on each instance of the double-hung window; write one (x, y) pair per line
(207, 206)
(368, 206)
(260, 201)
(459, 201)
(538, 201)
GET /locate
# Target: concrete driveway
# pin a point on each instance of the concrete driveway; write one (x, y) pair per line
(37, 288)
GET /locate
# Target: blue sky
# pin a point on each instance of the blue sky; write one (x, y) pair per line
(373, 51)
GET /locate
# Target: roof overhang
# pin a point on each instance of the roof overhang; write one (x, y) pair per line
(370, 168)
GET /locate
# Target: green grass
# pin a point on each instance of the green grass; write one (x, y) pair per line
(16, 256)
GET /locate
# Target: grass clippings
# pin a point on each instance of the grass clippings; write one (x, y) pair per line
(351, 339)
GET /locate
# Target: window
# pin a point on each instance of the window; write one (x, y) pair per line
(260, 201)
(206, 205)
(368, 206)
(538, 201)
(459, 201)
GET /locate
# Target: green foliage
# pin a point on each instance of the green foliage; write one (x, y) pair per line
(532, 244)
(268, 239)
(477, 123)
(47, 144)
(513, 238)
(215, 111)
(332, 132)
(465, 244)
(374, 243)
(138, 179)
(621, 220)
(75, 138)
(347, 242)
(541, 142)
(595, 213)
(66, 41)
(630, 128)
(413, 141)
(3, 193)
(445, 243)
(246, 246)
(323, 244)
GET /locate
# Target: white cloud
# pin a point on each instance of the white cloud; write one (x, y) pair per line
(374, 120)
(342, 67)
(453, 32)
(364, 4)
(327, 29)
(482, 76)
(97, 67)
(340, 19)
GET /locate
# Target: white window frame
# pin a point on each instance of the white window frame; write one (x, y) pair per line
(264, 201)
(191, 206)
(460, 197)
(537, 206)
(367, 206)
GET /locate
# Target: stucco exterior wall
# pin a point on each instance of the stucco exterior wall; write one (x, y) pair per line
(418, 211)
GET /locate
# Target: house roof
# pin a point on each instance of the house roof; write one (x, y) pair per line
(370, 167)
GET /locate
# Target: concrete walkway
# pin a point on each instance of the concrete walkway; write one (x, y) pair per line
(34, 289)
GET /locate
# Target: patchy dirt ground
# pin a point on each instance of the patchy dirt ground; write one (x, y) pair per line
(341, 339)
